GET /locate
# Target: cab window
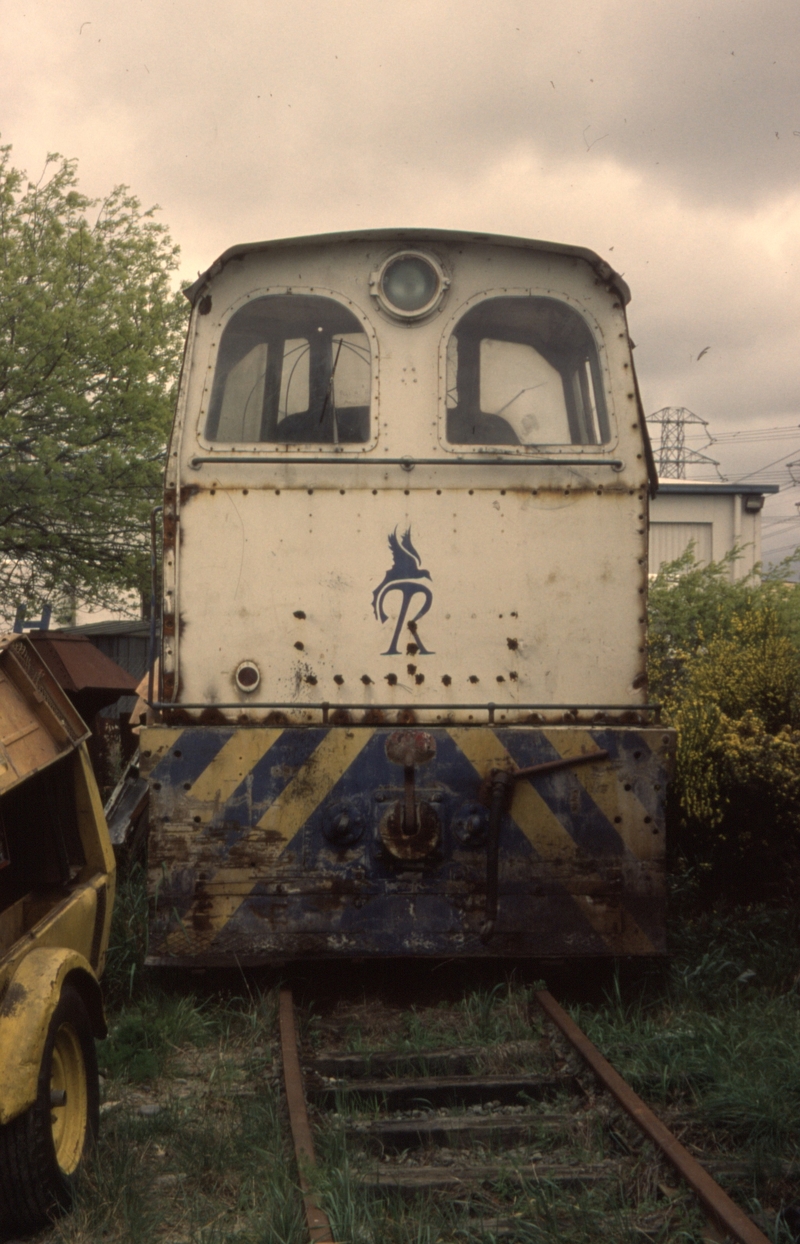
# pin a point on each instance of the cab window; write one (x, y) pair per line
(524, 371)
(292, 368)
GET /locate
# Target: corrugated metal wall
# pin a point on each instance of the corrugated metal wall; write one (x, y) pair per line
(669, 540)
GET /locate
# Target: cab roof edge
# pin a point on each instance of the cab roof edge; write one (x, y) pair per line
(603, 269)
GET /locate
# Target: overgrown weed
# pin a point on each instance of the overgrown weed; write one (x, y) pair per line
(143, 1037)
(712, 1043)
(525, 1211)
(480, 1018)
(192, 1175)
(127, 947)
(193, 1148)
(719, 1040)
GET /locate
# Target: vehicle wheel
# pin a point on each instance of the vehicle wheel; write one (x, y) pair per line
(42, 1149)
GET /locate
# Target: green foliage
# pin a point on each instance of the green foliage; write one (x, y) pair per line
(209, 1168)
(90, 345)
(127, 945)
(143, 1037)
(483, 1017)
(719, 1038)
(725, 664)
(689, 605)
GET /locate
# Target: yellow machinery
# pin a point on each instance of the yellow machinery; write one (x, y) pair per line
(57, 879)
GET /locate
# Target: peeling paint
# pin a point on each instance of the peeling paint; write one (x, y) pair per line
(314, 844)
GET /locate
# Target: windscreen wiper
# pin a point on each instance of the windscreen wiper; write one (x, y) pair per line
(330, 395)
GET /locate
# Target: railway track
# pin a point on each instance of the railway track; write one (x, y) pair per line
(498, 1133)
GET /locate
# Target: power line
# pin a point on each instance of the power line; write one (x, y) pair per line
(781, 544)
(776, 462)
(678, 425)
(779, 554)
(780, 539)
(748, 435)
(773, 530)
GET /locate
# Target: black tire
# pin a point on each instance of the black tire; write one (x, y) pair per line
(41, 1151)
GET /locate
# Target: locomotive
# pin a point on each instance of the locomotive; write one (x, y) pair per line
(402, 706)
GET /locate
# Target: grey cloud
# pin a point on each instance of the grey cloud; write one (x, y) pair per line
(602, 123)
(692, 93)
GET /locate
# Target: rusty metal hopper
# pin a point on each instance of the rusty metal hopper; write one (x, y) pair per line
(38, 724)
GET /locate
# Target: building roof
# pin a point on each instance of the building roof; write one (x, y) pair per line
(132, 626)
(712, 487)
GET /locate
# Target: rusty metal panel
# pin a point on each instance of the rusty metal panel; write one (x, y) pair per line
(79, 665)
(38, 724)
(381, 237)
(283, 842)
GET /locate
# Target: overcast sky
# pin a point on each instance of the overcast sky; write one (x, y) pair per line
(664, 135)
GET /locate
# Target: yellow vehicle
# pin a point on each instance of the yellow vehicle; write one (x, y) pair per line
(57, 879)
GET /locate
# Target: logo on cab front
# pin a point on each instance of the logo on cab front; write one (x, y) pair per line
(404, 576)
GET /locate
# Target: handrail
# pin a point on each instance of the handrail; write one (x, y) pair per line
(408, 464)
(327, 706)
(151, 652)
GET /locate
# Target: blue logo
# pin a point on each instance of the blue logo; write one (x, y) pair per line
(405, 577)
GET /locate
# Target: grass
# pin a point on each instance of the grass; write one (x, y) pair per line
(526, 1212)
(481, 1018)
(714, 1047)
(203, 1169)
(194, 1147)
(145, 1036)
(127, 943)
(719, 1038)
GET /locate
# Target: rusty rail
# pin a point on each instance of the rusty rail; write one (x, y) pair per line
(722, 1210)
(722, 1213)
(319, 1228)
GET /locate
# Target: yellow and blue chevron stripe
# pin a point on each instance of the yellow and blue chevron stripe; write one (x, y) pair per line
(246, 867)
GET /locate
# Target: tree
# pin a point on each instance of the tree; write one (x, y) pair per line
(725, 665)
(91, 334)
(690, 604)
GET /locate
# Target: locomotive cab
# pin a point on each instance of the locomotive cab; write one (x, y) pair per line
(405, 552)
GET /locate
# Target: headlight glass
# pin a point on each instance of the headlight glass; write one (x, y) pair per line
(410, 283)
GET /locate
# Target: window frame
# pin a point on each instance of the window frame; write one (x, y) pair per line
(528, 452)
(278, 449)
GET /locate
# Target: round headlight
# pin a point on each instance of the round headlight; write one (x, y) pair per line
(409, 285)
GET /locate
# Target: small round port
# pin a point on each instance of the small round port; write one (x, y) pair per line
(247, 676)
